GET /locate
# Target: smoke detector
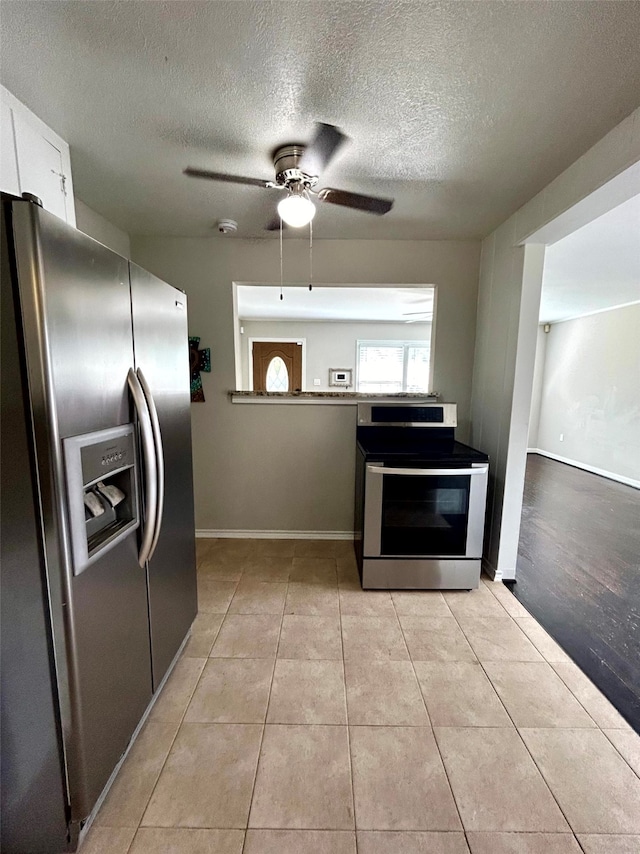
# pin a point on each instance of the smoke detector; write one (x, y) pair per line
(227, 226)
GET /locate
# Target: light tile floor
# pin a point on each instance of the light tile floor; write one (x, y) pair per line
(307, 716)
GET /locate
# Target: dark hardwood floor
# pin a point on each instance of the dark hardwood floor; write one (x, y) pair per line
(578, 573)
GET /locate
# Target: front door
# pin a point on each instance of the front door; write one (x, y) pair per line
(277, 366)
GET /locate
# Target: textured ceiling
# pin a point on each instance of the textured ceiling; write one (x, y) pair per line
(460, 110)
(389, 305)
(594, 268)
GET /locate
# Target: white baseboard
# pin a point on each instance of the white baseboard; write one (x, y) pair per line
(620, 478)
(275, 535)
(490, 570)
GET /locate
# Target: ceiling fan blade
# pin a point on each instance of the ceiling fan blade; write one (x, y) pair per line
(230, 179)
(322, 149)
(370, 204)
(274, 224)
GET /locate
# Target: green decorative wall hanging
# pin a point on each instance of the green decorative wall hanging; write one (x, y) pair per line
(199, 360)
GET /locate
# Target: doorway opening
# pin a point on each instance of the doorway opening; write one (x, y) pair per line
(576, 566)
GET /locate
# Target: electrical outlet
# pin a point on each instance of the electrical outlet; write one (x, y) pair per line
(562, 437)
(317, 382)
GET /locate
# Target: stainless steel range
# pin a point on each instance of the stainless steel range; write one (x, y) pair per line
(420, 499)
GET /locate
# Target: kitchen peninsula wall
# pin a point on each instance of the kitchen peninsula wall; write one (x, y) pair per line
(291, 468)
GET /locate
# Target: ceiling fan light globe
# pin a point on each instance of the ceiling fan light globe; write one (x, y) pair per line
(296, 210)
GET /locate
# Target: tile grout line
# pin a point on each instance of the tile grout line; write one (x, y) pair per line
(550, 663)
(531, 616)
(191, 694)
(226, 613)
(617, 749)
(215, 636)
(264, 725)
(493, 688)
(346, 708)
(340, 615)
(628, 727)
(173, 741)
(433, 734)
(543, 778)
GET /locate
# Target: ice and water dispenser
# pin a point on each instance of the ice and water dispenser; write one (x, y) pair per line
(102, 490)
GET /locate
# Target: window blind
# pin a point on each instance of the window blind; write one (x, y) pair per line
(392, 366)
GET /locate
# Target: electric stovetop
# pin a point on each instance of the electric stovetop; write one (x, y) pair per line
(416, 445)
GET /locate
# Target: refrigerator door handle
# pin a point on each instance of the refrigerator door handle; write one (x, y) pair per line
(159, 451)
(150, 466)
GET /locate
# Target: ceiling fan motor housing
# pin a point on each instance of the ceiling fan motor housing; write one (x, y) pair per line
(297, 168)
(285, 162)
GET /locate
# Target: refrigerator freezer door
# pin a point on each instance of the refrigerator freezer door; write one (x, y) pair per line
(32, 762)
(88, 319)
(75, 314)
(162, 356)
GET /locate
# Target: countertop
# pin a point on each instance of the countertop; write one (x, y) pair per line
(351, 397)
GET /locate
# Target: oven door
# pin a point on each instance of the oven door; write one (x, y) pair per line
(424, 512)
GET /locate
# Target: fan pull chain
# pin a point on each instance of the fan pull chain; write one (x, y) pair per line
(310, 254)
(281, 261)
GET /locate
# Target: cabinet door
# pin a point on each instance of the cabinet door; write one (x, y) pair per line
(40, 166)
(8, 164)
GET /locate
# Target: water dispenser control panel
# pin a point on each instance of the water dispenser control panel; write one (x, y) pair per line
(103, 458)
(102, 489)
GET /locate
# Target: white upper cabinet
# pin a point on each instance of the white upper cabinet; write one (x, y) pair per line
(8, 162)
(34, 159)
(40, 167)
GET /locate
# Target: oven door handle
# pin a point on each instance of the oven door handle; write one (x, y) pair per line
(479, 469)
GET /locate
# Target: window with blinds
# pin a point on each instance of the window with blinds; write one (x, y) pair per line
(387, 367)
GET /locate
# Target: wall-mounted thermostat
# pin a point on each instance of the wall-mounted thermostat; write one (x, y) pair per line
(340, 377)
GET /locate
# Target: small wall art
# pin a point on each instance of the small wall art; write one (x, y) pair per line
(199, 360)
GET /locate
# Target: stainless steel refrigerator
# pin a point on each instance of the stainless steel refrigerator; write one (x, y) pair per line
(98, 548)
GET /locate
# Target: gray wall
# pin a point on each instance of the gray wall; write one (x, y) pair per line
(274, 467)
(96, 226)
(591, 392)
(328, 344)
(507, 323)
(508, 311)
(536, 393)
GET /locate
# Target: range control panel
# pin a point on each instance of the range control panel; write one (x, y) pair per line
(403, 414)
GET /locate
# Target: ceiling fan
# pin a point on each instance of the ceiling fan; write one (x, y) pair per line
(424, 316)
(297, 170)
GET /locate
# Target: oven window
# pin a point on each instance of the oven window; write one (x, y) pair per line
(424, 515)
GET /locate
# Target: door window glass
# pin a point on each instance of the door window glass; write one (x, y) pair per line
(277, 375)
